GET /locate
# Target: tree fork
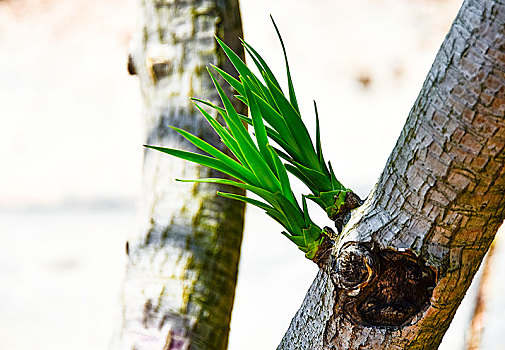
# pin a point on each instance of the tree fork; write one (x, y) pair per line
(433, 212)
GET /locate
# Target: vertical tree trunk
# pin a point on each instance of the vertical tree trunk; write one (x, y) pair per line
(427, 224)
(182, 264)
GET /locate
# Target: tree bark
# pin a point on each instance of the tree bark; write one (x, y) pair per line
(433, 213)
(182, 263)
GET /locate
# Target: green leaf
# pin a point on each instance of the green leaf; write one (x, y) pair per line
(243, 70)
(201, 159)
(220, 110)
(242, 99)
(209, 104)
(332, 201)
(298, 240)
(282, 154)
(278, 123)
(230, 80)
(292, 213)
(274, 210)
(259, 127)
(245, 199)
(258, 165)
(231, 118)
(292, 96)
(317, 200)
(300, 175)
(312, 234)
(260, 91)
(317, 178)
(283, 177)
(296, 126)
(279, 217)
(340, 200)
(269, 197)
(306, 216)
(237, 62)
(274, 135)
(220, 129)
(204, 146)
(334, 182)
(318, 143)
(225, 135)
(312, 249)
(260, 63)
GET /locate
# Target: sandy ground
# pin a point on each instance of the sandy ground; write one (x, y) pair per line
(71, 135)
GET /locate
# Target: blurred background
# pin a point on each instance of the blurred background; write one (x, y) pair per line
(71, 156)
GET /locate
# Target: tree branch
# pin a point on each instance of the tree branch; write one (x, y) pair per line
(436, 207)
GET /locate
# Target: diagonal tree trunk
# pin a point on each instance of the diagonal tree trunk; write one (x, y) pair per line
(409, 253)
(182, 264)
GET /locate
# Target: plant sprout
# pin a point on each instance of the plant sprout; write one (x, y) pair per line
(257, 166)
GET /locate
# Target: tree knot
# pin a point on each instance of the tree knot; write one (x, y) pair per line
(381, 288)
(356, 266)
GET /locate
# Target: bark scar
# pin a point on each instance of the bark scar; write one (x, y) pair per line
(381, 288)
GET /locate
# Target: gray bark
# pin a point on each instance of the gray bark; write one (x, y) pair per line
(182, 263)
(440, 197)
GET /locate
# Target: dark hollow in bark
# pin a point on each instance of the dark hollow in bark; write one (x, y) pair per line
(131, 66)
(382, 288)
(161, 70)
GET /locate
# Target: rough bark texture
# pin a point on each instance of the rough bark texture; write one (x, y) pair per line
(440, 199)
(182, 264)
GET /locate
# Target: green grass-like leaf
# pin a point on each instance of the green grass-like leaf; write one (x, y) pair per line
(258, 166)
(284, 125)
(292, 96)
(204, 146)
(202, 160)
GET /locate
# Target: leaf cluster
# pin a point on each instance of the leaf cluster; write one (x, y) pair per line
(258, 166)
(286, 128)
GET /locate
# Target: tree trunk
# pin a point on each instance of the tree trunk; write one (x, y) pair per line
(409, 253)
(182, 264)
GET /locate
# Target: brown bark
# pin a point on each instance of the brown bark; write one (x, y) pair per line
(182, 263)
(436, 206)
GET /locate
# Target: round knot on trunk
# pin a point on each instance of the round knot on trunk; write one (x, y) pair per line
(382, 287)
(356, 267)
